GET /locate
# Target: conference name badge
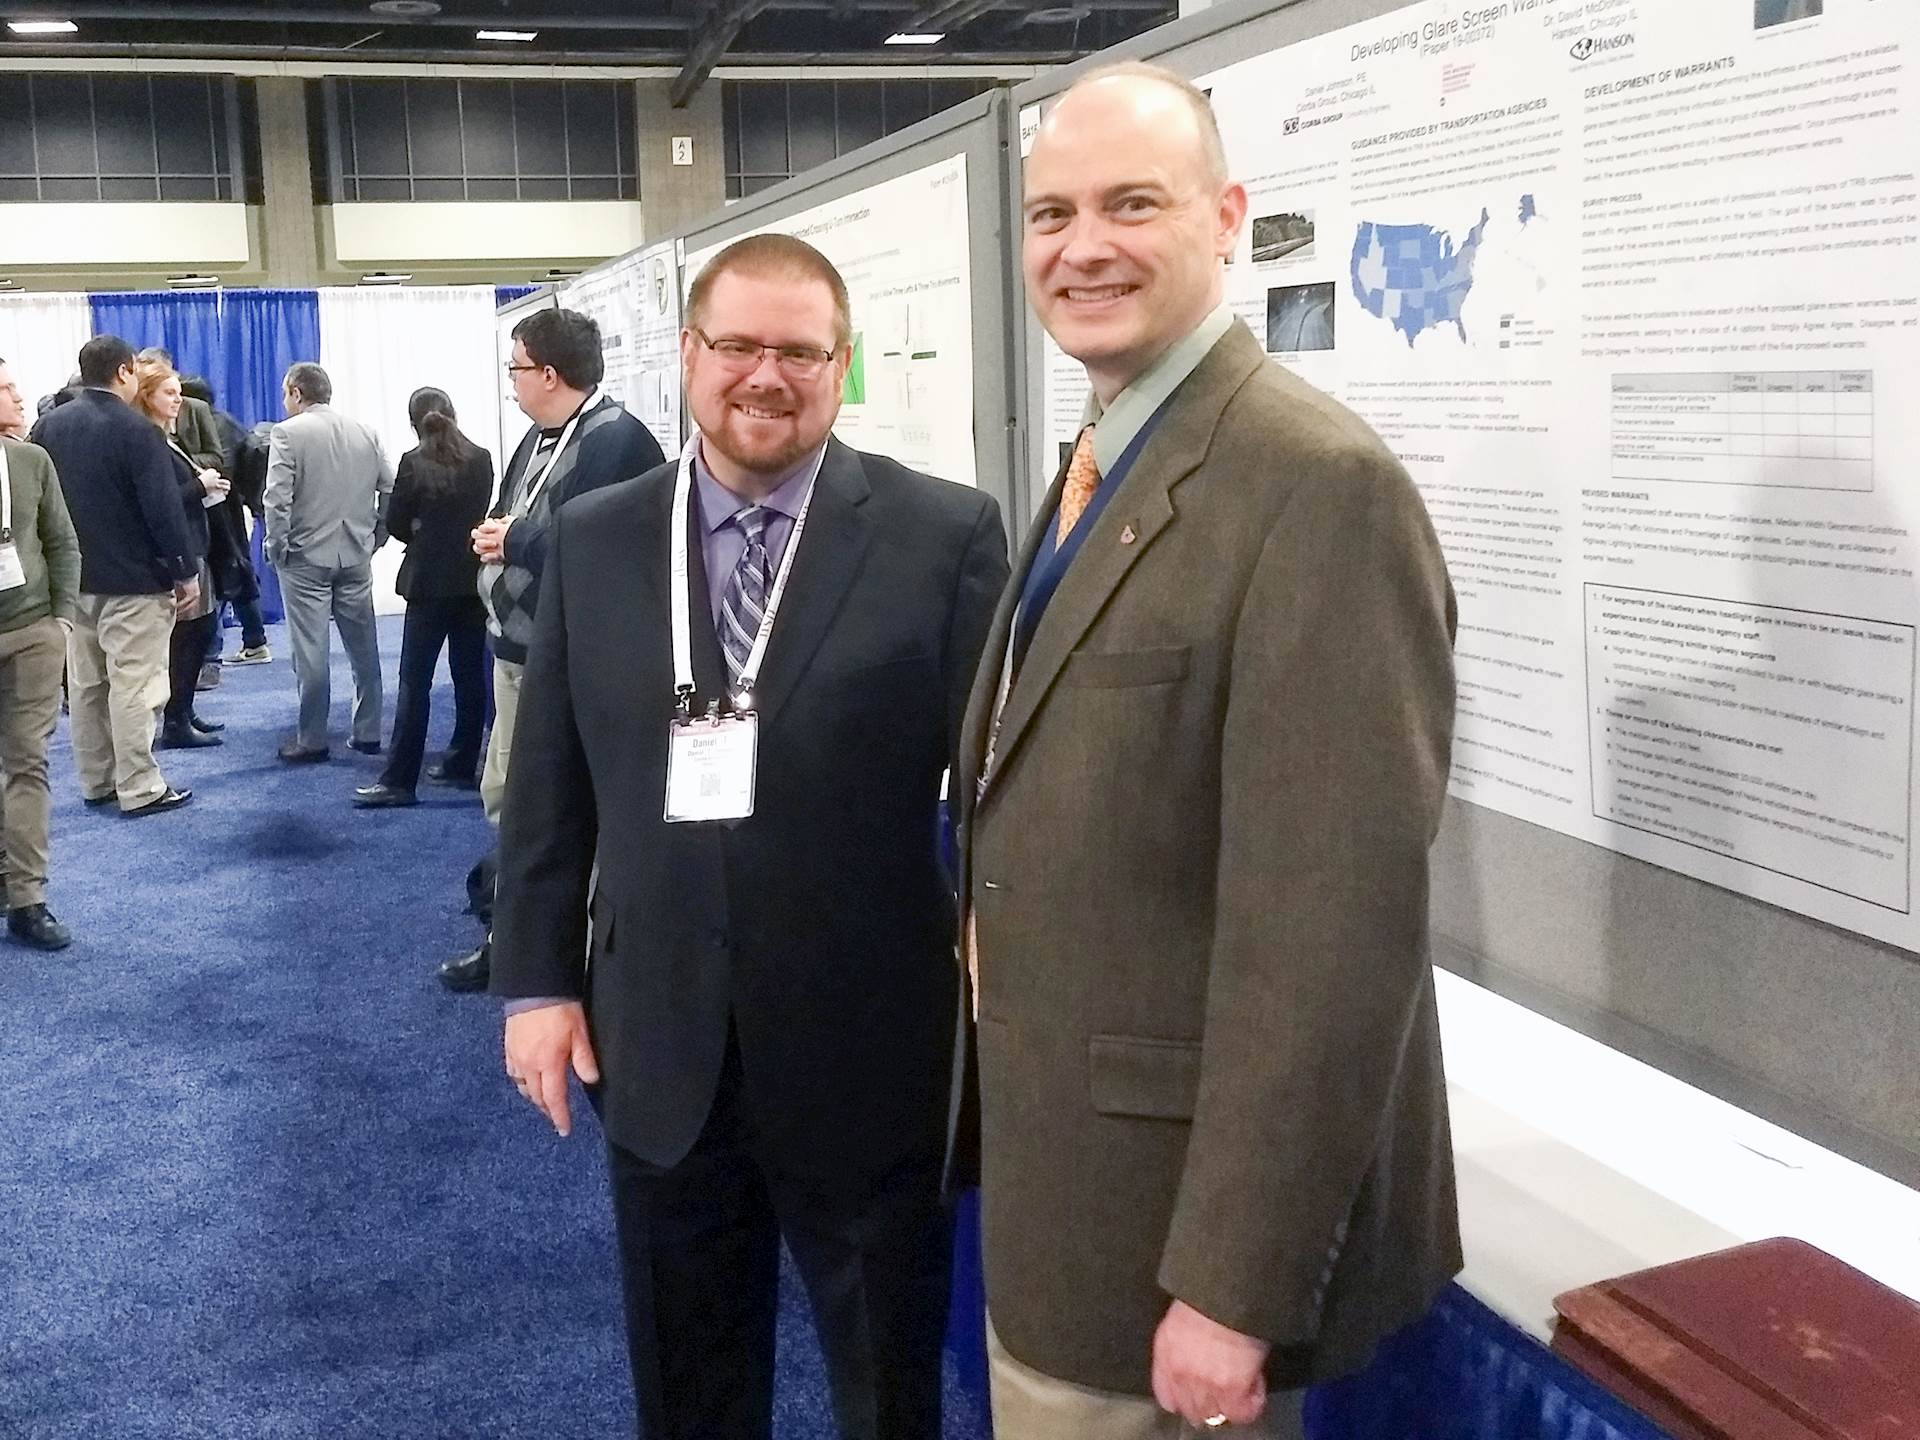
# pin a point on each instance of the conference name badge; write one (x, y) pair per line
(12, 573)
(710, 767)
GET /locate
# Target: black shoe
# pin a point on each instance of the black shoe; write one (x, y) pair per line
(172, 800)
(34, 925)
(295, 753)
(365, 747)
(206, 727)
(469, 972)
(94, 802)
(462, 779)
(179, 735)
(383, 797)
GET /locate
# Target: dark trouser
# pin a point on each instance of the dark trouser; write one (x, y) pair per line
(253, 628)
(700, 1266)
(186, 652)
(460, 623)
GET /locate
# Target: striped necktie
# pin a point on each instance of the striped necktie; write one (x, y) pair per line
(744, 603)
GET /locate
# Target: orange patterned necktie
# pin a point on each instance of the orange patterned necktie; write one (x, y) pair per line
(1083, 478)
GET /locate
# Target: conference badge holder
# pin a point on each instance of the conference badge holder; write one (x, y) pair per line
(710, 765)
(12, 573)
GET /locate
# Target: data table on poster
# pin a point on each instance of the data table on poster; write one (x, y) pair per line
(1810, 429)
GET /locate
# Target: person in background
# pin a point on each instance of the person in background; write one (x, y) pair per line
(1215, 1154)
(326, 513)
(158, 398)
(136, 572)
(229, 555)
(580, 440)
(440, 493)
(39, 591)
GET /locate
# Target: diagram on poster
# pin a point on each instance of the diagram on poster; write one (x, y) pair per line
(636, 302)
(901, 246)
(1630, 287)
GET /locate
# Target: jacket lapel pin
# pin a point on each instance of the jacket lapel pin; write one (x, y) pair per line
(1126, 535)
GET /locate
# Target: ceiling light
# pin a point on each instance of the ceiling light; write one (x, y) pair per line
(43, 27)
(384, 277)
(507, 35)
(405, 9)
(193, 282)
(9, 284)
(906, 38)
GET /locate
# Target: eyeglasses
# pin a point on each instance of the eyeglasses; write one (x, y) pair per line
(797, 362)
(513, 369)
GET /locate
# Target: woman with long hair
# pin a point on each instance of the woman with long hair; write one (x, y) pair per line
(441, 490)
(158, 398)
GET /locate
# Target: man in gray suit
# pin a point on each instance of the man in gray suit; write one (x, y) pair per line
(325, 512)
(1203, 762)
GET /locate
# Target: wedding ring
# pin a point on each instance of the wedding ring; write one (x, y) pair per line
(1215, 1422)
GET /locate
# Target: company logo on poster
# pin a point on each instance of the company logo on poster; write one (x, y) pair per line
(1588, 46)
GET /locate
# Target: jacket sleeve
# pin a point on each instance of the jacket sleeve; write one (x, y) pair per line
(277, 500)
(1319, 959)
(383, 485)
(983, 576)
(402, 509)
(549, 825)
(158, 490)
(60, 546)
(199, 436)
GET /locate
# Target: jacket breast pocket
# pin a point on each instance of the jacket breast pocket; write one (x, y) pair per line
(1123, 669)
(1150, 1079)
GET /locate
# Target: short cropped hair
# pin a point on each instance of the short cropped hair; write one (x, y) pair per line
(566, 340)
(773, 257)
(1212, 148)
(156, 352)
(102, 358)
(311, 381)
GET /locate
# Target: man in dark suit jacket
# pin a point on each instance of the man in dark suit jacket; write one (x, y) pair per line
(1204, 760)
(580, 440)
(136, 571)
(769, 1006)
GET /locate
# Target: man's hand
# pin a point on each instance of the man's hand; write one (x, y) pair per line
(1202, 1369)
(214, 483)
(540, 1044)
(186, 595)
(490, 541)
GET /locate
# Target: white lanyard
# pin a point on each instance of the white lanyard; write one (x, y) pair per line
(526, 501)
(681, 570)
(6, 498)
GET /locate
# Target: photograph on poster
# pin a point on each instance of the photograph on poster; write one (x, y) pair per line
(1285, 236)
(1768, 13)
(1299, 317)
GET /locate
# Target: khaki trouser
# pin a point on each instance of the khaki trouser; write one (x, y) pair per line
(31, 661)
(506, 710)
(116, 683)
(1028, 1405)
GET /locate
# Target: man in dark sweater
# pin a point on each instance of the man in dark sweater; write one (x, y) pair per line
(580, 441)
(136, 572)
(39, 584)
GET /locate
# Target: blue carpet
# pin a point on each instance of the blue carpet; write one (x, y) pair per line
(259, 1175)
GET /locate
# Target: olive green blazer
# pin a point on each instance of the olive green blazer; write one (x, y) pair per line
(1208, 1048)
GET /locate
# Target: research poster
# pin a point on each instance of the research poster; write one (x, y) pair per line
(636, 302)
(513, 422)
(1633, 289)
(901, 246)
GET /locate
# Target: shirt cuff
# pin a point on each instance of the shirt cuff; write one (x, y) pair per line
(534, 1002)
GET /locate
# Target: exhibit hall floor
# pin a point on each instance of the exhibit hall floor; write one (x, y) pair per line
(259, 1174)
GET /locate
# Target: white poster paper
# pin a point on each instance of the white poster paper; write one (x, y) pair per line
(1633, 290)
(901, 246)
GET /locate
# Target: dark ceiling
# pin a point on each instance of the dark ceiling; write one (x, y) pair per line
(691, 34)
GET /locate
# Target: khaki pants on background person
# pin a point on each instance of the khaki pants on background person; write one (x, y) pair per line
(1030, 1406)
(313, 595)
(32, 659)
(116, 684)
(506, 709)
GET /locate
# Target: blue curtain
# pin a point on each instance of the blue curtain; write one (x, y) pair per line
(187, 324)
(507, 294)
(265, 331)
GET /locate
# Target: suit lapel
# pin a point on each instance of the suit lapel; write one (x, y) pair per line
(832, 547)
(709, 665)
(1139, 511)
